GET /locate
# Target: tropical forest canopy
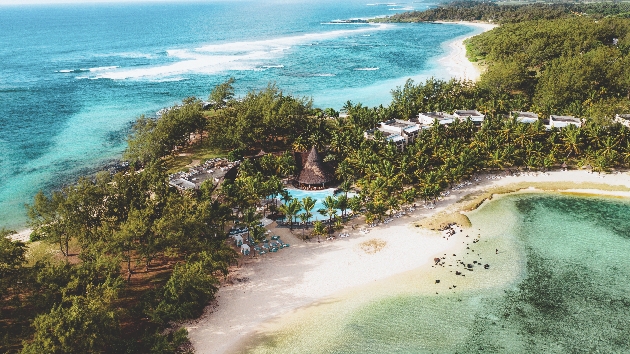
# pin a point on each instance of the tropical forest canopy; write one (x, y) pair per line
(500, 14)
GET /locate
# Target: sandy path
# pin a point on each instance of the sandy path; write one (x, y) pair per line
(275, 284)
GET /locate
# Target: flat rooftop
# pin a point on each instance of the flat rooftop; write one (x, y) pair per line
(568, 119)
(526, 115)
(438, 115)
(399, 124)
(471, 113)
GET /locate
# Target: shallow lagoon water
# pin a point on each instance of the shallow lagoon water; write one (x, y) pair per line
(559, 284)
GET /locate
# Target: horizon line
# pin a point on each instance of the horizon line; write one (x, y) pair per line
(23, 3)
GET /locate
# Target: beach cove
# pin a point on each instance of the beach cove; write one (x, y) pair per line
(280, 303)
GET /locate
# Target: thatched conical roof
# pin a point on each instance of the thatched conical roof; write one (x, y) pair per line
(314, 171)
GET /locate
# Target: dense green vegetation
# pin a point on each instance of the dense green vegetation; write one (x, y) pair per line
(576, 66)
(556, 58)
(127, 257)
(493, 12)
(110, 288)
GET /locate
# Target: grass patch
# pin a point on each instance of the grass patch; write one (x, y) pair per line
(372, 246)
(184, 157)
(40, 251)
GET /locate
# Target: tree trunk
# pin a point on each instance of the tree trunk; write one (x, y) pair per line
(128, 267)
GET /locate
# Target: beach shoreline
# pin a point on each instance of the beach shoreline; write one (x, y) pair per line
(262, 291)
(455, 61)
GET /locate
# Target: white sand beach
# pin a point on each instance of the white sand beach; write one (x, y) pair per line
(22, 236)
(455, 62)
(267, 287)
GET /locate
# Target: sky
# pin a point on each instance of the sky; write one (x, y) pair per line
(44, 2)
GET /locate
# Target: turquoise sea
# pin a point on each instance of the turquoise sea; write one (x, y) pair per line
(73, 77)
(559, 283)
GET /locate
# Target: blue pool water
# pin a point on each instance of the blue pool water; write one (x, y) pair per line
(319, 196)
(73, 77)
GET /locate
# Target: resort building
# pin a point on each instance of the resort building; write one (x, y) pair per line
(315, 173)
(525, 117)
(390, 137)
(564, 121)
(474, 115)
(406, 129)
(427, 118)
(623, 119)
(396, 131)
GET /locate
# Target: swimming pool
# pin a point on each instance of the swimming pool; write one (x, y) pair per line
(319, 196)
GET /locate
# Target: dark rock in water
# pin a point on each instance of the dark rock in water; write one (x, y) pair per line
(458, 273)
(454, 255)
(454, 286)
(486, 266)
(437, 281)
(474, 262)
(469, 265)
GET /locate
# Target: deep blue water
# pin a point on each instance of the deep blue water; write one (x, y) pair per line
(73, 77)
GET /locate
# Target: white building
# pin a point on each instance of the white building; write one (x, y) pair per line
(395, 131)
(427, 118)
(406, 129)
(393, 138)
(564, 121)
(474, 115)
(525, 117)
(623, 119)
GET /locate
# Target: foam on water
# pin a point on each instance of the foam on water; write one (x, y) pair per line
(233, 56)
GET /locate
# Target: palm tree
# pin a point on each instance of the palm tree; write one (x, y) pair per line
(572, 140)
(318, 229)
(330, 205)
(355, 203)
(393, 204)
(250, 218)
(304, 218)
(290, 210)
(308, 204)
(342, 204)
(258, 233)
(275, 187)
